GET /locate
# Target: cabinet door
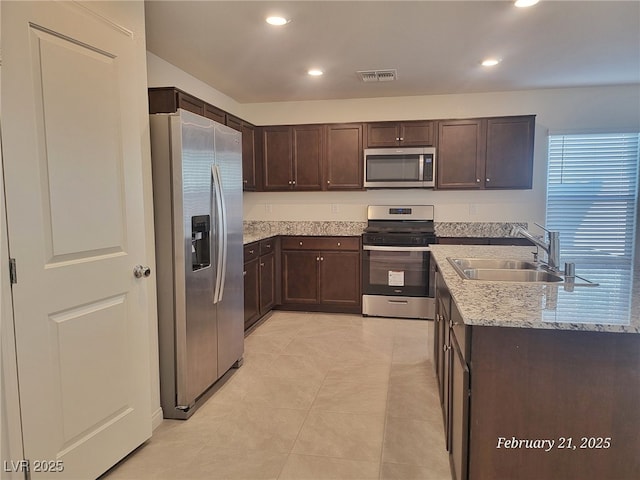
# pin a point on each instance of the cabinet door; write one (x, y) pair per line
(510, 152)
(267, 282)
(340, 278)
(416, 134)
(191, 104)
(251, 292)
(459, 414)
(277, 156)
(214, 113)
(248, 157)
(300, 278)
(344, 161)
(307, 157)
(461, 154)
(233, 122)
(383, 134)
(441, 341)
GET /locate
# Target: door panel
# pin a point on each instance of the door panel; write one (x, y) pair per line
(93, 157)
(73, 164)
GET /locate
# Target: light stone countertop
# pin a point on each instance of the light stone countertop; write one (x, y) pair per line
(255, 230)
(259, 230)
(613, 306)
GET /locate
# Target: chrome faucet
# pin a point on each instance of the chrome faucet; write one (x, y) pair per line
(552, 247)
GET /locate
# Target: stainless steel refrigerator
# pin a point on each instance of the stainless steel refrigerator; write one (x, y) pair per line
(197, 193)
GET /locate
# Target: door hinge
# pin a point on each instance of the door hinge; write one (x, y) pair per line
(13, 276)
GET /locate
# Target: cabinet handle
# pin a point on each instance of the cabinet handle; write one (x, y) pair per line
(328, 182)
(300, 243)
(317, 259)
(322, 259)
(446, 348)
(244, 273)
(290, 182)
(338, 243)
(251, 252)
(268, 245)
(262, 264)
(477, 180)
(294, 182)
(401, 138)
(488, 179)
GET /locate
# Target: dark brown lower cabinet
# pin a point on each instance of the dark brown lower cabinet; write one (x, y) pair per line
(267, 268)
(321, 274)
(260, 273)
(251, 292)
(459, 412)
(510, 392)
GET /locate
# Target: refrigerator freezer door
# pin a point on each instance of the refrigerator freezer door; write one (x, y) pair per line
(197, 355)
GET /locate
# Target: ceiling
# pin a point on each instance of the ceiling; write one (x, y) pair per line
(435, 46)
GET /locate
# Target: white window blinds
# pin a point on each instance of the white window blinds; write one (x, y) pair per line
(592, 201)
(592, 194)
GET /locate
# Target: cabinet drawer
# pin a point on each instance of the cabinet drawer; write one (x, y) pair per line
(321, 243)
(251, 251)
(267, 246)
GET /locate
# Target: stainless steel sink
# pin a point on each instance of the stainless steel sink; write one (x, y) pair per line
(510, 275)
(502, 270)
(498, 263)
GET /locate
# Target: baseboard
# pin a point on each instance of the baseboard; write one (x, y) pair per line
(156, 418)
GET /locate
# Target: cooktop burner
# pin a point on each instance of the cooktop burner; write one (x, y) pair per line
(399, 225)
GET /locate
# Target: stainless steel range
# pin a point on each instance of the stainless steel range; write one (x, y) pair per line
(397, 271)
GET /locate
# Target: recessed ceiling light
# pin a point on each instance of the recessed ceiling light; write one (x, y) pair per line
(490, 62)
(525, 3)
(277, 21)
(315, 72)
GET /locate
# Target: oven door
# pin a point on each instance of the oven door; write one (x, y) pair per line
(396, 271)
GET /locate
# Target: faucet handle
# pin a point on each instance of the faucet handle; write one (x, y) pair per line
(543, 228)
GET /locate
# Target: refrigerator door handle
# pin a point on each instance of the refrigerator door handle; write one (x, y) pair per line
(221, 234)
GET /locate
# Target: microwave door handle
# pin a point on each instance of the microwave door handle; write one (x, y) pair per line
(421, 168)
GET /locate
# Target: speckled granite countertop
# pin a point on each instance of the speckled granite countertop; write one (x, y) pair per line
(255, 230)
(258, 230)
(613, 306)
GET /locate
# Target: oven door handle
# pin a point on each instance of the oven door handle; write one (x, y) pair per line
(395, 248)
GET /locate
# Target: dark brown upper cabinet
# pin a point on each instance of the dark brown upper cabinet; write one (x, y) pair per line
(215, 114)
(249, 168)
(343, 157)
(396, 134)
(509, 162)
(485, 153)
(292, 157)
(460, 156)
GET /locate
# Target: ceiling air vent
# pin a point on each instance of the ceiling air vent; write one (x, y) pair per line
(378, 75)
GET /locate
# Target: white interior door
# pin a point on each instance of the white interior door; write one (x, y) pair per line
(72, 154)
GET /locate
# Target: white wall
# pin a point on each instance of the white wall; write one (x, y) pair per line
(614, 108)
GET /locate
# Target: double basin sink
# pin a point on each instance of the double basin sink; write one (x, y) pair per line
(502, 270)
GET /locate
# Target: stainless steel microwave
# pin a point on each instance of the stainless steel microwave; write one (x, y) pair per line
(400, 167)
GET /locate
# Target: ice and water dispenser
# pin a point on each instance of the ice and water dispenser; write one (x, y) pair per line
(200, 241)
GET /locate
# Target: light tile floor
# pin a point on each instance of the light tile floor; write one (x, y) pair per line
(320, 396)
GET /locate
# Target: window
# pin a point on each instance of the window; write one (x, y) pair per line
(592, 201)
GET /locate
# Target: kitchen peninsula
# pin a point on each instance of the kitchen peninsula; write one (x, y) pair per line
(537, 382)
